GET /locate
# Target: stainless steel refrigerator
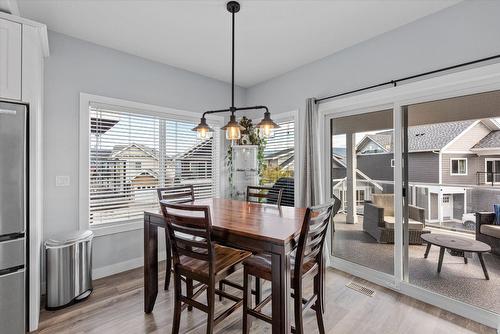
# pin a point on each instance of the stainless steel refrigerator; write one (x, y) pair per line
(13, 217)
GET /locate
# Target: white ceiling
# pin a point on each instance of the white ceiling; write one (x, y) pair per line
(272, 37)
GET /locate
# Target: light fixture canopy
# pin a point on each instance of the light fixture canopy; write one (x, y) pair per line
(233, 128)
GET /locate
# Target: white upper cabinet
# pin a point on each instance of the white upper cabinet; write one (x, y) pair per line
(10, 60)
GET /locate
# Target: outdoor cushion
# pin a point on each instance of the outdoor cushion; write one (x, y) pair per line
(496, 209)
(491, 230)
(412, 224)
(385, 201)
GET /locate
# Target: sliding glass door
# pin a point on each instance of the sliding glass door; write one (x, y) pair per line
(452, 160)
(362, 177)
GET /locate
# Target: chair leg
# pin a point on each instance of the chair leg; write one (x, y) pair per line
(258, 291)
(168, 269)
(247, 302)
(297, 303)
(189, 291)
(177, 304)
(221, 288)
(318, 306)
(211, 308)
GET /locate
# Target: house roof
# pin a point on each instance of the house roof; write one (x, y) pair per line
(492, 140)
(200, 147)
(118, 150)
(429, 137)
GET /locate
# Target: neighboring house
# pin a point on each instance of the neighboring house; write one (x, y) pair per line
(128, 168)
(195, 165)
(139, 163)
(445, 160)
(283, 158)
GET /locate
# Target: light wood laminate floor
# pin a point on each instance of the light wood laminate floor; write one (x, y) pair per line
(116, 306)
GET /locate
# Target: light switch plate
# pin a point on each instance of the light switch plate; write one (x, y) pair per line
(62, 181)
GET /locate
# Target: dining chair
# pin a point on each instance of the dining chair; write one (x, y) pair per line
(261, 194)
(199, 259)
(307, 262)
(178, 195)
(257, 194)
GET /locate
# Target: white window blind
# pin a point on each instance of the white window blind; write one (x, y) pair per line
(279, 160)
(132, 154)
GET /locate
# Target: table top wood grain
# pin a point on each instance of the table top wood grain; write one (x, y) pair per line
(255, 220)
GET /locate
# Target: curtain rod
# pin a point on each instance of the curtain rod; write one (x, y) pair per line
(395, 82)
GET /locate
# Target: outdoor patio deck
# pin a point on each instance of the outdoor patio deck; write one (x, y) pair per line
(464, 282)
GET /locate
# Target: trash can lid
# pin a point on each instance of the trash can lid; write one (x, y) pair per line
(70, 238)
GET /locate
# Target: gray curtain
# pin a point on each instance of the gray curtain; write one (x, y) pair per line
(310, 185)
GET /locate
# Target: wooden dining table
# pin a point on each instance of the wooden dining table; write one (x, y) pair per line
(250, 226)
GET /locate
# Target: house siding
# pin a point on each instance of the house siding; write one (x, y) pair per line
(473, 165)
(468, 139)
(377, 166)
(423, 167)
(482, 199)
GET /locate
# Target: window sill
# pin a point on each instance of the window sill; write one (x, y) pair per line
(114, 228)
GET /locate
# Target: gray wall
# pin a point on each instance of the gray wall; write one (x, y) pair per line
(76, 66)
(466, 31)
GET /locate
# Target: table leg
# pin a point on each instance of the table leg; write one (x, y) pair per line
(150, 265)
(465, 259)
(441, 255)
(427, 249)
(483, 265)
(280, 292)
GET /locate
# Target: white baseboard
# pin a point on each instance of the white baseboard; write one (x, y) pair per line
(119, 267)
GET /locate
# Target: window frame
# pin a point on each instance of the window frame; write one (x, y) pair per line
(458, 167)
(492, 160)
(289, 116)
(84, 154)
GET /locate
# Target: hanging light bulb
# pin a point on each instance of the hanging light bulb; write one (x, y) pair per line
(233, 129)
(203, 130)
(267, 125)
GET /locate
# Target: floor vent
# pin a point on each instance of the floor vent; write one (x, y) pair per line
(360, 288)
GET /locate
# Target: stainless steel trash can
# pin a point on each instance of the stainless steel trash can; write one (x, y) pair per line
(68, 268)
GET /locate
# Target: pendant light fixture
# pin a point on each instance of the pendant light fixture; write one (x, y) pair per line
(233, 128)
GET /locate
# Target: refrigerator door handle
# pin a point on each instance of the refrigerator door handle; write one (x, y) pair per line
(11, 236)
(5, 272)
(7, 111)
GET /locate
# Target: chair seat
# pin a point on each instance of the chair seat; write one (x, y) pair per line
(491, 230)
(260, 266)
(225, 259)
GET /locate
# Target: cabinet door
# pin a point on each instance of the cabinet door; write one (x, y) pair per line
(10, 60)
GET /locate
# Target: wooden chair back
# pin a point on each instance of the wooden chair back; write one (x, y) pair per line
(259, 194)
(313, 234)
(189, 229)
(176, 194)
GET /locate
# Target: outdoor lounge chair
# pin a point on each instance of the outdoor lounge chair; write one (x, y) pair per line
(487, 231)
(378, 220)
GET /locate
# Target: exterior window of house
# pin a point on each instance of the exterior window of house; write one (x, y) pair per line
(132, 154)
(459, 166)
(493, 170)
(279, 161)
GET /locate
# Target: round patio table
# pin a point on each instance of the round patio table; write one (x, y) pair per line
(457, 244)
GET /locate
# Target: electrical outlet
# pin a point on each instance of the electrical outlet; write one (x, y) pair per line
(62, 181)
